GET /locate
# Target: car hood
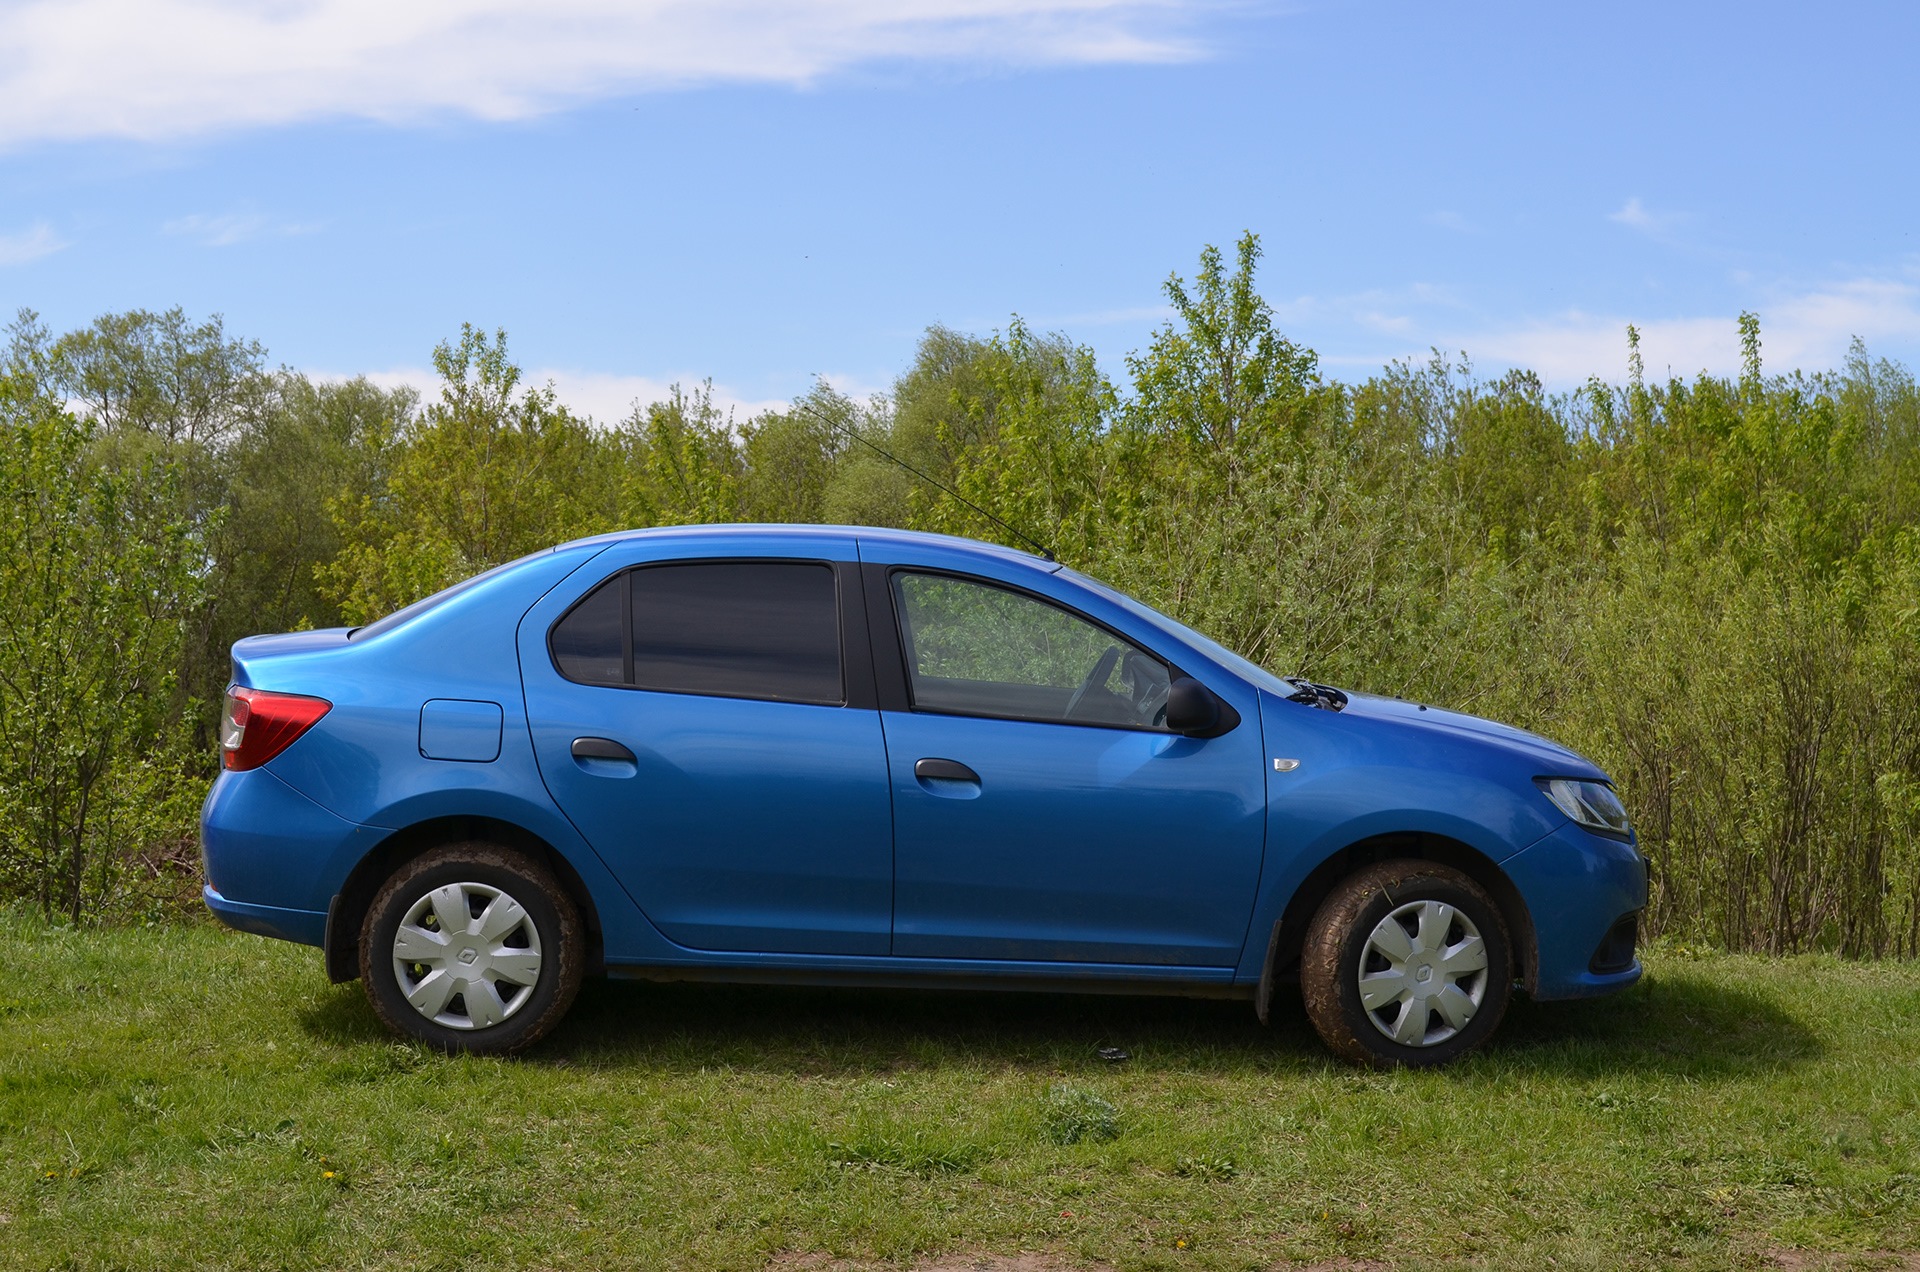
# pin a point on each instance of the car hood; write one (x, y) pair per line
(1550, 758)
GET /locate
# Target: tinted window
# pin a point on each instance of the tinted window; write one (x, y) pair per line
(589, 643)
(747, 629)
(977, 649)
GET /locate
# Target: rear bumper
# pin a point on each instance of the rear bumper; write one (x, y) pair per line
(308, 927)
(1577, 887)
(272, 858)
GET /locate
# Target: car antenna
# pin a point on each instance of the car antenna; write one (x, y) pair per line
(1031, 542)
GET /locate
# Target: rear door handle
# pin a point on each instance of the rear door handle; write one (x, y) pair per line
(945, 771)
(600, 749)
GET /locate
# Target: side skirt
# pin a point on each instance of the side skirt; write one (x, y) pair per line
(958, 979)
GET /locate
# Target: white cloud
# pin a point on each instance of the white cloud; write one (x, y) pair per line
(1105, 318)
(604, 397)
(859, 388)
(1391, 324)
(1382, 309)
(610, 398)
(229, 228)
(29, 245)
(1635, 215)
(156, 69)
(1805, 330)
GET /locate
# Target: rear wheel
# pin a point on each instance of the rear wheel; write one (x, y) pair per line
(472, 948)
(1406, 963)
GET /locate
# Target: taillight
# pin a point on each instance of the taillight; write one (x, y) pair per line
(259, 725)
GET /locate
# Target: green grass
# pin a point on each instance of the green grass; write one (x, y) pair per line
(183, 1096)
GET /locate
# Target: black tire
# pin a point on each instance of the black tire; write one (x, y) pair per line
(1343, 933)
(533, 968)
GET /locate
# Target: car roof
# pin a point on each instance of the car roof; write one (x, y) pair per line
(879, 536)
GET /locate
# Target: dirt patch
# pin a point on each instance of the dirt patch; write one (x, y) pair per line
(944, 1263)
(1017, 1263)
(1781, 1260)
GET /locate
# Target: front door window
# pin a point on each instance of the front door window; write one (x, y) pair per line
(976, 649)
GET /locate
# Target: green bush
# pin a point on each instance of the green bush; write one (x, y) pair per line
(1711, 586)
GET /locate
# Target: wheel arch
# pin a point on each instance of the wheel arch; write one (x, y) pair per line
(348, 909)
(1288, 934)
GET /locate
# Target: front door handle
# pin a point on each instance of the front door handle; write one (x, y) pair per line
(935, 769)
(600, 749)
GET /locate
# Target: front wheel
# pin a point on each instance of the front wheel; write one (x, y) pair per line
(1407, 963)
(472, 948)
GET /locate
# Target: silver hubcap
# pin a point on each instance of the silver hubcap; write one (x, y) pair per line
(467, 956)
(1423, 973)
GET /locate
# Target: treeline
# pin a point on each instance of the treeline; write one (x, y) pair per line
(1712, 586)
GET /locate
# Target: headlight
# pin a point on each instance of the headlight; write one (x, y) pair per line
(1591, 804)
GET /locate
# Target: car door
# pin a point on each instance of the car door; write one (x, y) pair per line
(1042, 811)
(693, 718)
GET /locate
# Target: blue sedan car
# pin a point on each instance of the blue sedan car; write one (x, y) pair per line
(831, 755)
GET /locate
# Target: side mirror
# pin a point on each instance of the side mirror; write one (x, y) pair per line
(1191, 708)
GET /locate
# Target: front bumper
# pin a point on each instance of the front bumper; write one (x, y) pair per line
(1577, 887)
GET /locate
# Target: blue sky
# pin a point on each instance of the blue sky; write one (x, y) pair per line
(650, 190)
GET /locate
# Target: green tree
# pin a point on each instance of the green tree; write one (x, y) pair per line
(791, 458)
(1028, 433)
(161, 374)
(679, 462)
(490, 472)
(1221, 371)
(313, 447)
(97, 575)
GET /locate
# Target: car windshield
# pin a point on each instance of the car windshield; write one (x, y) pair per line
(1248, 670)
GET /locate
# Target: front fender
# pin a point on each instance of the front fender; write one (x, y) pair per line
(1358, 778)
(1292, 857)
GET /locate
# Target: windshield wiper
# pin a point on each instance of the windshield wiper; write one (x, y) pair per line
(1325, 697)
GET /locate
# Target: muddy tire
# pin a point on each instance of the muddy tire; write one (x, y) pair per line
(1406, 964)
(472, 947)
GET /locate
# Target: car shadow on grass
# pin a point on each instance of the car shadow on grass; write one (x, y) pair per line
(1688, 1026)
(1682, 1026)
(340, 1014)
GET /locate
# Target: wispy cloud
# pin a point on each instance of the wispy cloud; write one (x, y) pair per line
(861, 388)
(609, 398)
(29, 244)
(1807, 329)
(1635, 215)
(1071, 322)
(1384, 309)
(228, 228)
(1105, 317)
(604, 397)
(1448, 219)
(159, 69)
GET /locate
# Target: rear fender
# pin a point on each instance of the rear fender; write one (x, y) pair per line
(427, 820)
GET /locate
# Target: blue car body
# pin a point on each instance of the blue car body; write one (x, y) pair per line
(798, 841)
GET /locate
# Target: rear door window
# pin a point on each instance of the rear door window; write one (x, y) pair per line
(732, 629)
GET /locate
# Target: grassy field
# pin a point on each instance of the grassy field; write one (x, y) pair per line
(187, 1097)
